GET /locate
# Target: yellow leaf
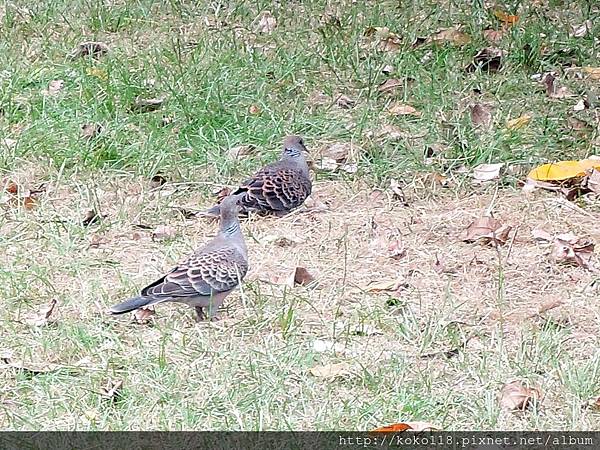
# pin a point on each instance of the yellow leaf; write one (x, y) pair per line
(519, 122)
(98, 73)
(508, 19)
(563, 170)
(592, 72)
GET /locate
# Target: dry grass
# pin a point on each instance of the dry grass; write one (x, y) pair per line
(249, 370)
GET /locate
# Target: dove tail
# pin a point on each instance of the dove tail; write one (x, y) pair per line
(131, 304)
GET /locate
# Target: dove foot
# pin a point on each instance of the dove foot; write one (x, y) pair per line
(201, 316)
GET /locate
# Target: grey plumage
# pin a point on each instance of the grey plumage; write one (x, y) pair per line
(205, 278)
(278, 187)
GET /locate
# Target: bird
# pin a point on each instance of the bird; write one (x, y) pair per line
(277, 188)
(206, 277)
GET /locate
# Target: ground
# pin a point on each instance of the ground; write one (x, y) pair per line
(421, 325)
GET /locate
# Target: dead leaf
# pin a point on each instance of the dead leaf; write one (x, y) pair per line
(157, 181)
(518, 123)
(593, 181)
(44, 317)
(11, 187)
(54, 88)
(382, 286)
(396, 250)
(163, 232)
(577, 125)
(339, 151)
(396, 189)
(568, 248)
(592, 72)
(593, 403)
(552, 90)
(322, 346)
(254, 110)
(383, 38)
(414, 426)
(345, 102)
(400, 109)
(494, 36)
(541, 235)
(29, 368)
(90, 130)
(387, 69)
(302, 277)
(487, 59)
(450, 35)
(581, 30)
(507, 19)
(440, 266)
(487, 230)
(97, 72)
(330, 370)
(516, 397)
(580, 105)
(142, 316)
(89, 48)
(487, 172)
(563, 170)
(390, 85)
(8, 143)
(481, 116)
(241, 151)
(28, 203)
(91, 217)
(143, 105)
(111, 390)
(266, 23)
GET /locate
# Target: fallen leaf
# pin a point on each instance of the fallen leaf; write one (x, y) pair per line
(519, 122)
(339, 151)
(487, 172)
(381, 286)
(302, 277)
(390, 85)
(581, 30)
(400, 109)
(488, 59)
(384, 39)
(487, 230)
(89, 48)
(396, 189)
(563, 170)
(414, 426)
(241, 151)
(91, 217)
(321, 346)
(345, 102)
(541, 235)
(96, 240)
(505, 18)
(8, 143)
(580, 105)
(98, 73)
(90, 130)
(593, 403)
(494, 36)
(387, 69)
(330, 370)
(266, 23)
(573, 250)
(593, 181)
(516, 397)
(163, 232)
(364, 329)
(30, 368)
(254, 110)
(552, 90)
(11, 187)
(396, 250)
(451, 35)
(143, 316)
(111, 390)
(143, 105)
(577, 125)
(54, 87)
(481, 116)
(44, 317)
(28, 203)
(592, 72)
(440, 266)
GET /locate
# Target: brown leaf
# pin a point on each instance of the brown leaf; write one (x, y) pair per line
(493, 36)
(90, 130)
(29, 368)
(481, 116)
(29, 203)
(505, 18)
(381, 286)
(396, 189)
(519, 122)
(157, 181)
(11, 187)
(89, 48)
(390, 85)
(241, 151)
(302, 277)
(487, 172)
(581, 30)
(345, 102)
(143, 316)
(568, 248)
(384, 39)
(91, 217)
(516, 397)
(592, 72)
(331, 370)
(266, 23)
(163, 232)
(400, 109)
(487, 230)
(552, 90)
(112, 390)
(541, 235)
(44, 317)
(254, 110)
(489, 59)
(143, 105)
(450, 35)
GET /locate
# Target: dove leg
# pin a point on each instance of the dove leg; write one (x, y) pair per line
(200, 315)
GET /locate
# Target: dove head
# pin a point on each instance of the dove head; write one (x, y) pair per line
(229, 210)
(293, 146)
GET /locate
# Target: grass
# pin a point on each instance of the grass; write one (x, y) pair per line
(250, 370)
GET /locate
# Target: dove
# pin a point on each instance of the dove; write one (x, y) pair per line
(278, 187)
(206, 277)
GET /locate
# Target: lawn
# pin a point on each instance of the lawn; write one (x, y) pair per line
(405, 321)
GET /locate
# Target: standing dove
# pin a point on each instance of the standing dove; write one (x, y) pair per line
(205, 278)
(278, 187)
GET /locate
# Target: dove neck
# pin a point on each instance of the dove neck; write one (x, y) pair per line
(230, 224)
(292, 152)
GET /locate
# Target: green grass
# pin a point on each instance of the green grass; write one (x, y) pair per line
(250, 372)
